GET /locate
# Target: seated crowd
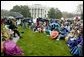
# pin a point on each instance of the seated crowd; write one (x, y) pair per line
(71, 32)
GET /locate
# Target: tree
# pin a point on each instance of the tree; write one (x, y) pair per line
(4, 13)
(80, 10)
(16, 9)
(54, 13)
(24, 10)
(67, 15)
(58, 13)
(51, 13)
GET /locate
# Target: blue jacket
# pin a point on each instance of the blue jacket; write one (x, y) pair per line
(63, 31)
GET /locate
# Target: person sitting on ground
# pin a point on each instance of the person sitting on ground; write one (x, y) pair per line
(10, 48)
(76, 44)
(40, 29)
(68, 27)
(71, 34)
(54, 34)
(63, 32)
(4, 31)
(48, 30)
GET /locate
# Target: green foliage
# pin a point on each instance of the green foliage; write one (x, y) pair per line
(16, 9)
(51, 13)
(68, 15)
(54, 13)
(24, 10)
(58, 13)
(80, 8)
(4, 13)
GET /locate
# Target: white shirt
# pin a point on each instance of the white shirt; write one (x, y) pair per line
(18, 21)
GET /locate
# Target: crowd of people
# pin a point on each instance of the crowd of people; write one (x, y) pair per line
(9, 31)
(69, 30)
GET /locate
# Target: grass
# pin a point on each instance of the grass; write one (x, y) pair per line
(38, 44)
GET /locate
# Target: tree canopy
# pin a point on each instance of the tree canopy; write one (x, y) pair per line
(24, 10)
(54, 13)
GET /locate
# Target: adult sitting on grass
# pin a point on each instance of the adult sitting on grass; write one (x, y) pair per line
(54, 34)
(77, 50)
(71, 34)
(9, 48)
(63, 33)
(75, 39)
(48, 30)
(55, 25)
(76, 45)
(40, 28)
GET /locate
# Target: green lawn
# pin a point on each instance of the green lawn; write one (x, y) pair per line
(38, 44)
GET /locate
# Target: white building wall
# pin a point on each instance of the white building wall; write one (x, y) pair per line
(39, 12)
